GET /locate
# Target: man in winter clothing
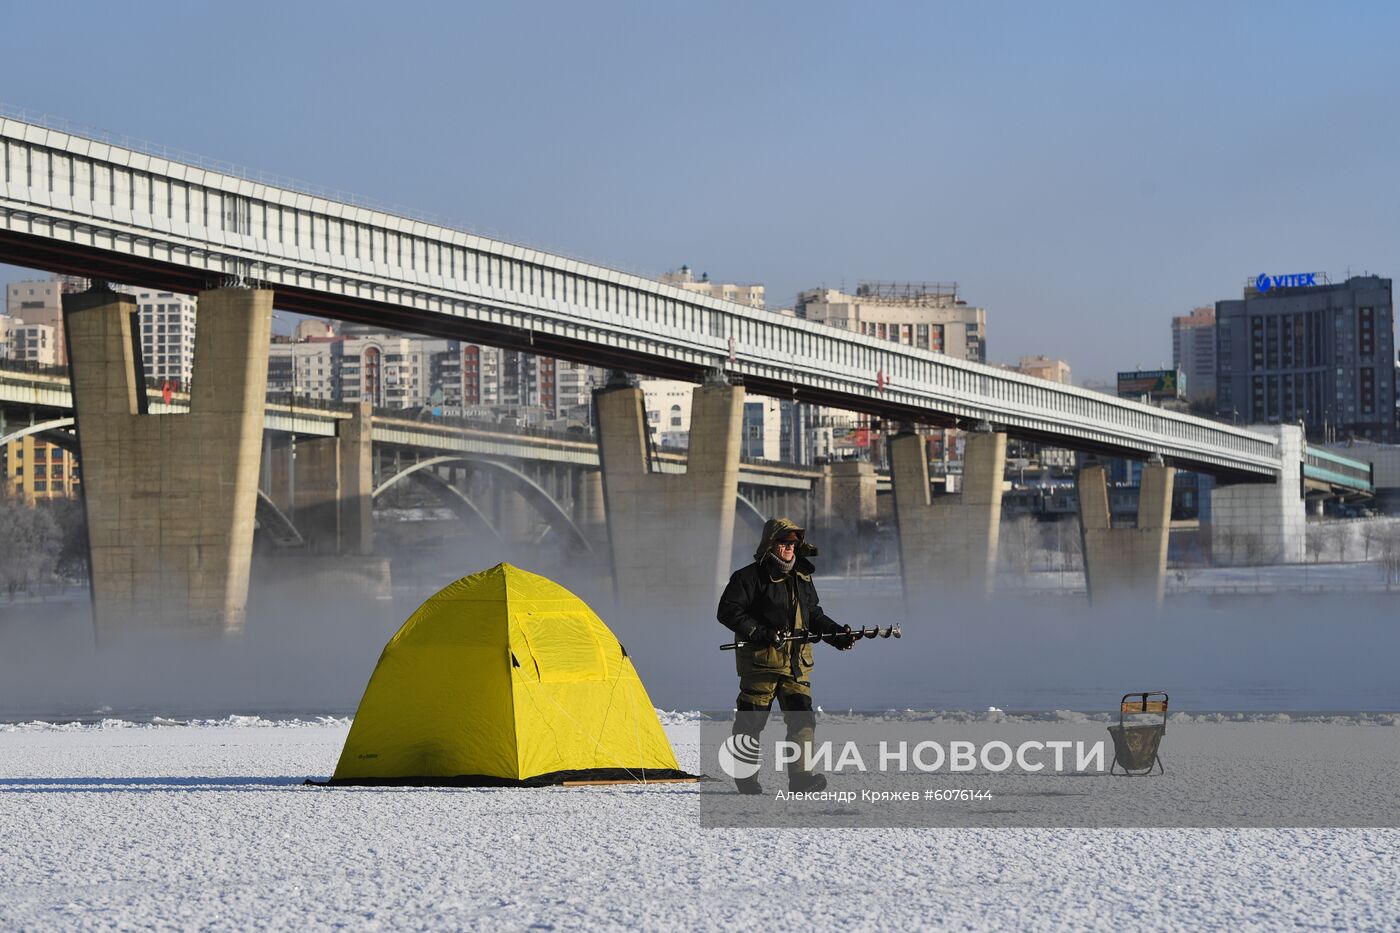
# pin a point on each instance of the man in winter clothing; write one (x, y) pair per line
(764, 603)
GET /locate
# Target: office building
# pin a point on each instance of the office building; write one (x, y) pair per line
(1299, 349)
(36, 471)
(927, 315)
(1193, 352)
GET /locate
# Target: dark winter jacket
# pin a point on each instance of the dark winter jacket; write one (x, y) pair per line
(762, 598)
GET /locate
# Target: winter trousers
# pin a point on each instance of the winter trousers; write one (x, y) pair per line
(757, 691)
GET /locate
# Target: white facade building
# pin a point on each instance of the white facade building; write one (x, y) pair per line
(388, 370)
(930, 316)
(668, 411)
(167, 336)
(751, 295)
(33, 343)
(40, 301)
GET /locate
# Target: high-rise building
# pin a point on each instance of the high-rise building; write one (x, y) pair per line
(574, 387)
(1299, 349)
(36, 470)
(481, 376)
(751, 295)
(39, 302)
(388, 370)
(1193, 351)
(33, 343)
(762, 437)
(927, 315)
(167, 336)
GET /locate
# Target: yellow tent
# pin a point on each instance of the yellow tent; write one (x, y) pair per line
(504, 678)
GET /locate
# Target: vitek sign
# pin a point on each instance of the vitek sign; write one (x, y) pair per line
(1296, 280)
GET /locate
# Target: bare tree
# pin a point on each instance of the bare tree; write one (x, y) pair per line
(1390, 553)
(1017, 543)
(1334, 538)
(30, 542)
(1061, 538)
(73, 555)
(1371, 531)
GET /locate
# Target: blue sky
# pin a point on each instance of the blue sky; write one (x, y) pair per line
(1084, 170)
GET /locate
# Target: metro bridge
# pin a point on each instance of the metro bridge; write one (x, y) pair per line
(87, 206)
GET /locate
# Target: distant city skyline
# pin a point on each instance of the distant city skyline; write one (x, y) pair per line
(1085, 174)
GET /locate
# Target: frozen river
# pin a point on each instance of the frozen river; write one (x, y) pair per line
(207, 825)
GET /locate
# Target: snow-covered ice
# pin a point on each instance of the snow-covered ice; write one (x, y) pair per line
(207, 825)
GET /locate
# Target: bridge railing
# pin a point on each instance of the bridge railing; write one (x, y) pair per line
(32, 367)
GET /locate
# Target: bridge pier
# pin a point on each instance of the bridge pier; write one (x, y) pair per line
(1125, 563)
(948, 544)
(322, 485)
(670, 534)
(844, 497)
(588, 504)
(1263, 523)
(357, 482)
(170, 499)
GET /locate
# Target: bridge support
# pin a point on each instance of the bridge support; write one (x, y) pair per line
(323, 485)
(1125, 563)
(357, 482)
(170, 498)
(588, 504)
(850, 494)
(670, 534)
(302, 478)
(948, 544)
(1263, 523)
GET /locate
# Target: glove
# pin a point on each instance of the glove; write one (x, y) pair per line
(843, 639)
(764, 637)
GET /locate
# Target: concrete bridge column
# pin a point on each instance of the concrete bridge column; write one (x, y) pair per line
(948, 544)
(1125, 563)
(588, 503)
(853, 487)
(170, 499)
(303, 480)
(670, 534)
(1263, 523)
(511, 513)
(357, 481)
